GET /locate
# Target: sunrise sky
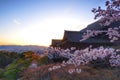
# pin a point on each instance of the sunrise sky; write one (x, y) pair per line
(36, 22)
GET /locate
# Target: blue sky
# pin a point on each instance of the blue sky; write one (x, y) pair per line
(36, 22)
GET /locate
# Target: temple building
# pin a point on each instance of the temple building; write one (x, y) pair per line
(72, 38)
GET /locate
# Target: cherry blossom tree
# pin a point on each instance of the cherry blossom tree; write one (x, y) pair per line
(106, 57)
(106, 17)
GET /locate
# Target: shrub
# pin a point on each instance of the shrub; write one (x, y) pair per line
(12, 71)
(43, 60)
(4, 60)
(1, 72)
(100, 63)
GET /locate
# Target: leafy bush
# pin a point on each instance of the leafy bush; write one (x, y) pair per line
(59, 59)
(4, 60)
(1, 72)
(43, 60)
(12, 55)
(12, 71)
(100, 63)
(7, 57)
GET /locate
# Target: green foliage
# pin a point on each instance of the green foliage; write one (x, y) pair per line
(43, 60)
(4, 60)
(11, 74)
(7, 58)
(12, 55)
(1, 72)
(13, 63)
(22, 55)
(100, 63)
(12, 71)
(116, 47)
(28, 54)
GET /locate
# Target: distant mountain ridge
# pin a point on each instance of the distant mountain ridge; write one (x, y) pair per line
(20, 49)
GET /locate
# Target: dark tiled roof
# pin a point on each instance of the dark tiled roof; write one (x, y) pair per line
(96, 26)
(55, 41)
(72, 36)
